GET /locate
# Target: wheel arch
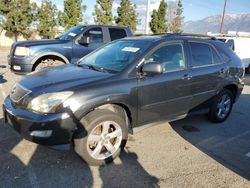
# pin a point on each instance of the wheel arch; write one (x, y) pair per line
(116, 107)
(49, 55)
(233, 88)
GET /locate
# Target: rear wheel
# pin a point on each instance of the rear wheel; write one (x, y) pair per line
(106, 137)
(221, 107)
(46, 63)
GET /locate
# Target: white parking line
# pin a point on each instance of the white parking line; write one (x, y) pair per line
(248, 154)
(228, 141)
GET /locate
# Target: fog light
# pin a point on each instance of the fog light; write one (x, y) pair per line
(42, 134)
(15, 67)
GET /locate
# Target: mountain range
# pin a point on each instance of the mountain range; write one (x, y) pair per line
(232, 22)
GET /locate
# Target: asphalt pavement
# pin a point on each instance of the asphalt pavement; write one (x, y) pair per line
(188, 153)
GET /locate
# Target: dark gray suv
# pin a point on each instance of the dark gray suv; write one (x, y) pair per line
(124, 87)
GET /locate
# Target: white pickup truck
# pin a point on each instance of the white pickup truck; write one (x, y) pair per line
(241, 46)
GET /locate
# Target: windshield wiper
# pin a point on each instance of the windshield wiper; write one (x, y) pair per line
(92, 67)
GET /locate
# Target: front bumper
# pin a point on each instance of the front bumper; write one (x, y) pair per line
(28, 124)
(20, 65)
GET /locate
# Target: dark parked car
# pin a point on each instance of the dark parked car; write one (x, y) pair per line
(69, 47)
(124, 87)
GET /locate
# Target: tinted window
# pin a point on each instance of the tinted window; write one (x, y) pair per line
(171, 57)
(117, 33)
(216, 58)
(224, 56)
(231, 45)
(95, 35)
(201, 54)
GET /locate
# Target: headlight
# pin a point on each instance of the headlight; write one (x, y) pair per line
(22, 51)
(49, 102)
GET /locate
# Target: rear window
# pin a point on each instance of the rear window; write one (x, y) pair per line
(117, 33)
(201, 54)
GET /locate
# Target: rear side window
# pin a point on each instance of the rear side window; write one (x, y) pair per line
(216, 57)
(201, 54)
(231, 44)
(117, 33)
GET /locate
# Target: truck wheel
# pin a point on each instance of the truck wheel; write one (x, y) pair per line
(221, 107)
(106, 137)
(48, 63)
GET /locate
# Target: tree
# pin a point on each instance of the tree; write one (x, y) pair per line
(18, 17)
(103, 12)
(127, 15)
(47, 19)
(154, 22)
(158, 23)
(176, 24)
(73, 13)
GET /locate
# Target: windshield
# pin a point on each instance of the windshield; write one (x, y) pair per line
(71, 33)
(115, 56)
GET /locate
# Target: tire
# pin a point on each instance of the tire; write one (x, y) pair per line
(221, 106)
(47, 63)
(99, 146)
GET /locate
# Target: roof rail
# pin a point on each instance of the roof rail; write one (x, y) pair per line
(191, 35)
(180, 34)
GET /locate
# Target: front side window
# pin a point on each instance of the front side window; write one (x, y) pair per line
(71, 33)
(116, 56)
(171, 57)
(95, 35)
(201, 54)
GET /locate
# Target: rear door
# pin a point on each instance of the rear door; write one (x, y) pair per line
(208, 72)
(96, 36)
(168, 95)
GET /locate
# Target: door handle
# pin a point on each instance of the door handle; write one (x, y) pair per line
(187, 77)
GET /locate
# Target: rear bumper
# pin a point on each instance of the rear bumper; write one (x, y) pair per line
(20, 65)
(51, 129)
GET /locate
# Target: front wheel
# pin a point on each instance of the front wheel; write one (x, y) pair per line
(106, 137)
(221, 107)
(48, 63)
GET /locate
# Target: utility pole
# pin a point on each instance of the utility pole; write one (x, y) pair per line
(223, 17)
(147, 18)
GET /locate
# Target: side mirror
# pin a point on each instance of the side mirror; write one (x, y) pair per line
(84, 40)
(152, 69)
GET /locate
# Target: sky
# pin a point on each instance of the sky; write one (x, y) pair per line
(192, 9)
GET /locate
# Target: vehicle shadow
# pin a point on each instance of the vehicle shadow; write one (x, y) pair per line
(227, 143)
(25, 164)
(129, 173)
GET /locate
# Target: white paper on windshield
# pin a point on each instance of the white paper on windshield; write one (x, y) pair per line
(72, 34)
(130, 49)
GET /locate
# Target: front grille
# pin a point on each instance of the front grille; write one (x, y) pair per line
(18, 92)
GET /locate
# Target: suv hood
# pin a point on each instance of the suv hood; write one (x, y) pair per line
(39, 42)
(61, 78)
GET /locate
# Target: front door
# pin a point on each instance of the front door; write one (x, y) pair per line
(168, 95)
(95, 35)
